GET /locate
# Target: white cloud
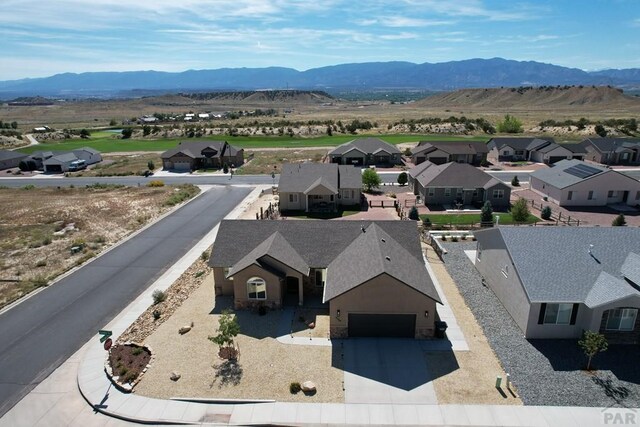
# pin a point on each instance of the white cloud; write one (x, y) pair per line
(399, 36)
(403, 21)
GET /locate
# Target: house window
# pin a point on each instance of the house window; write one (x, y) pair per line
(432, 192)
(590, 196)
(447, 192)
(505, 271)
(612, 194)
(459, 192)
(353, 194)
(637, 195)
(321, 277)
(331, 198)
(558, 314)
(475, 192)
(225, 271)
(506, 153)
(498, 194)
(570, 195)
(622, 319)
(293, 198)
(256, 288)
(519, 153)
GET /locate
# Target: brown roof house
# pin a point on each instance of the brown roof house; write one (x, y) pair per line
(366, 152)
(319, 187)
(194, 155)
(439, 152)
(371, 273)
(576, 183)
(457, 185)
(556, 282)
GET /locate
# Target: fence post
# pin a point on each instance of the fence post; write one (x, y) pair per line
(369, 203)
(560, 216)
(578, 223)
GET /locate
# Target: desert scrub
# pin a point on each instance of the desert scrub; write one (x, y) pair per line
(181, 194)
(158, 296)
(156, 183)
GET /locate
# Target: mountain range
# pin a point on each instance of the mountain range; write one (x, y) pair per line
(471, 73)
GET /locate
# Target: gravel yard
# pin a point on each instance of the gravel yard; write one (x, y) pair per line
(545, 372)
(265, 369)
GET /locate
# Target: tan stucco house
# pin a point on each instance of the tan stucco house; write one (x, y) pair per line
(556, 282)
(576, 183)
(612, 151)
(542, 150)
(192, 155)
(439, 152)
(370, 273)
(314, 187)
(366, 152)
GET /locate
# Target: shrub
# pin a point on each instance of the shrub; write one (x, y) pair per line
(600, 130)
(510, 124)
(29, 187)
(545, 213)
(413, 213)
(444, 238)
(295, 387)
(515, 181)
(156, 183)
(156, 314)
(225, 168)
(370, 180)
(158, 296)
(150, 165)
(619, 221)
(454, 238)
(204, 255)
(520, 210)
(486, 214)
(402, 178)
(199, 274)
(41, 263)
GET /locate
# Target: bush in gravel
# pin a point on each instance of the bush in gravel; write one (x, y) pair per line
(413, 214)
(515, 181)
(41, 263)
(295, 387)
(204, 255)
(156, 183)
(158, 296)
(545, 213)
(619, 221)
(592, 343)
(156, 314)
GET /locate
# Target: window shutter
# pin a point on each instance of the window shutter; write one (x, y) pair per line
(574, 314)
(543, 308)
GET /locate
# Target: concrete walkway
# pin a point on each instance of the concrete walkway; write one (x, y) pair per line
(56, 401)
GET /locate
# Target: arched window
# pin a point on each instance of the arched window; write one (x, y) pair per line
(256, 288)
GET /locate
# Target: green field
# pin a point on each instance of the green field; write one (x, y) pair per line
(468, 219)
(106, 143)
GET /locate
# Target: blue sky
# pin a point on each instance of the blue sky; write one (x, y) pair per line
(45, 37)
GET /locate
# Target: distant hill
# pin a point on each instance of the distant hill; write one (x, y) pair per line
(533, 98)
(264, 96)
(452, 75)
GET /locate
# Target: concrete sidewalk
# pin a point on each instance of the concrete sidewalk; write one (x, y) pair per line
(56, 401)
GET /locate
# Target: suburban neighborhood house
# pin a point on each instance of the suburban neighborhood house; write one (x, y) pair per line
(192, 155)
(371, 273)
(612, 151)
(366, 152)
(10, 159)
(558, 281)
(439, 152)
(457, 184)
(576, 183)
(65, 161)
(313, 187)
(532, 149)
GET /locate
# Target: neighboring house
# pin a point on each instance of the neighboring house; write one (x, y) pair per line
(612, 151)
(543, 150)
(457, 184)
(193, 155)
(556, 282)
(372, 273)
(10, 159)
(439, 152)
(576, 183)
(319, 186)
(553, 153)
(365, 152)
(64, 161)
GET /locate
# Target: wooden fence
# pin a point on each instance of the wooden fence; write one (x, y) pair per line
(557, 217)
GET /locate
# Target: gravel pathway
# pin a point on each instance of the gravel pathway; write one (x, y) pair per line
(545, 372)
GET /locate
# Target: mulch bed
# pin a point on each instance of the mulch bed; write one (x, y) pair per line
(128, 361)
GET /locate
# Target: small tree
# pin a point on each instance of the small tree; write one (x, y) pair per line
(510, 124)
(515, 181)
(84, 134)
(413, 213)
(225, 168)
(619, 221)
(126, 133)
(600, 130)
(545, 213)
(151, 165)
(486, 214)
(370, 180)
(113, 122)
(520, 211)
(402, 178)
(592, 343)
(228, 329)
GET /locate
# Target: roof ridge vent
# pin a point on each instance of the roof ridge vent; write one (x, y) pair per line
(388, 258)
(382, 240)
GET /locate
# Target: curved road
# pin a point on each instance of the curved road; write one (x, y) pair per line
(39, 334)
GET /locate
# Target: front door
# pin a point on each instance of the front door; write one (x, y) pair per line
(625, 196)
(292, 291)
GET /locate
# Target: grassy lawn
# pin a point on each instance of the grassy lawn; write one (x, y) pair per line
(106, 143)
(467, 219)
(318, 215)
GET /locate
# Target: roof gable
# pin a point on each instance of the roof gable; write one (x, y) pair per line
(276, 247)
(365, 145)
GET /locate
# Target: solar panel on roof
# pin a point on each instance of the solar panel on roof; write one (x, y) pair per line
(582, 171)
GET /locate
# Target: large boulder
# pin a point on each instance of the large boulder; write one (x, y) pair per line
(308, 387)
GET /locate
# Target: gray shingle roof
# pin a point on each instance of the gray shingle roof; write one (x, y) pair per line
(453, 174)
(194, 149)
(451, 147)
(554, 263)
(609, 144)
(61, 158)
(417, 170)
(327, 244)
(519, 143)
(631, 268)
(10, 155)
(557, 176)
(608, 289)
(366, 145)
(373, 253)
(575, 148)
(300, 177)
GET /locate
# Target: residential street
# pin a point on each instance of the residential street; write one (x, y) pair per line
(43, 331)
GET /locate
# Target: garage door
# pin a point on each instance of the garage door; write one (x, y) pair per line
(382, 325)
(438, 160)
(182, 166)
(354, 161)
(555, 159)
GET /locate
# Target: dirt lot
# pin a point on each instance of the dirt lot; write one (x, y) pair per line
(123, 164)
(39, 227)
(267, 161)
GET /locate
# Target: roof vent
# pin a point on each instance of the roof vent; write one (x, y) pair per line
(590, 248)
(363, 229)
(382, 240)
(388, 258)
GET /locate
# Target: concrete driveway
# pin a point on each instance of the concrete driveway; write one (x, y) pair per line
(386, 370)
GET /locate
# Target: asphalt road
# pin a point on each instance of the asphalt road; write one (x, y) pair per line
(39, 334)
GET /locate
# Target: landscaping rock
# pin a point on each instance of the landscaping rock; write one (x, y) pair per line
(311, 325)
(308, 387)
(175, 376)
(184, 330)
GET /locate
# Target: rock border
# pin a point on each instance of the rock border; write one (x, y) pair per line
(127, 387)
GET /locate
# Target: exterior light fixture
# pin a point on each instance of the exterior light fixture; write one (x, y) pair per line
(426, 313)
(338, 314)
